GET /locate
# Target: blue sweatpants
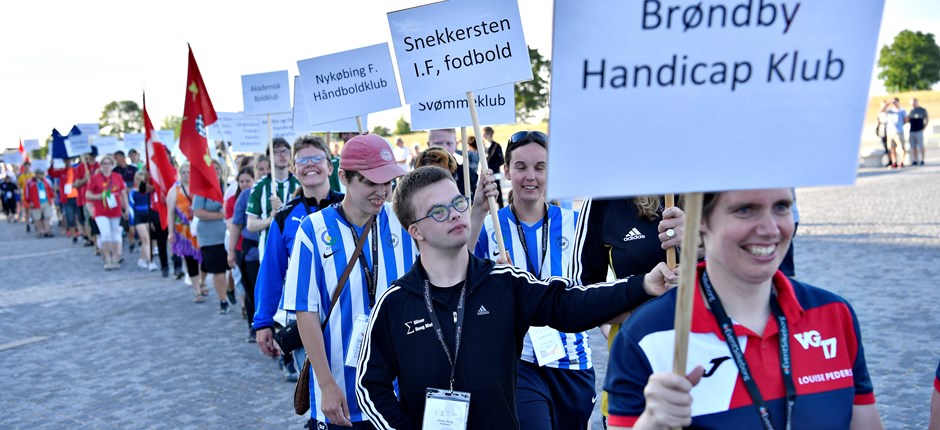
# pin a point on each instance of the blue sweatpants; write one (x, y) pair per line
(554, 399)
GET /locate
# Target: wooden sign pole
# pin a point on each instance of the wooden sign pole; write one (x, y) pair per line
(683, 320)
(271, 156)
(359, 124)
(671, 252)
(466, 161)
(494, 209)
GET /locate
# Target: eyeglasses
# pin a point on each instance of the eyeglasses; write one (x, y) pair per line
(313, 159)
(441, 213)
(282, 152)
(527, 136)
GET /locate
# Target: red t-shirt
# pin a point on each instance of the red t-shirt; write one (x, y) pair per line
(98, 184)
(80, 174)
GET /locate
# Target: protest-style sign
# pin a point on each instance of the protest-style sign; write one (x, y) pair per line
(31, 144)
(303, 124)
(106, 144)
(266, 93)
(166, 137)
(40, 165)
(495, 105)
(452, 47)
(349, 83)
(13, 158)
(282, 125)
(720, 95)
(134, 141)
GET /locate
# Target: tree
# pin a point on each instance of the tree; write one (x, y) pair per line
(381, 130)
(119, 117)
(533, 95)
(911, 62)
(402, 126)
(174, 123)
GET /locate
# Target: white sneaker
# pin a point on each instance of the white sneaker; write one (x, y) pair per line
(152, 267)
(141, 263)
(187, 281)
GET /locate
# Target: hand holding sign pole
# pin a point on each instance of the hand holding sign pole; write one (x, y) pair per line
(491, 201)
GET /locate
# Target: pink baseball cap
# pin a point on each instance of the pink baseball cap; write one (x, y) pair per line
(371, 156)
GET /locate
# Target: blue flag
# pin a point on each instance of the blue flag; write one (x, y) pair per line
(58, 144)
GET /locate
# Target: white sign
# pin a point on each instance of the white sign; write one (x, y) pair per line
(282, 125)
(31, 145)
(453, 47)
(13, 158)
(301, 118)
(166, 137)
(106, 144)
(89, 131)
(350, 83)
(40, 165)
(660, 96)
(134, 141)
(248, 134)
(494, 106)
(266, 93)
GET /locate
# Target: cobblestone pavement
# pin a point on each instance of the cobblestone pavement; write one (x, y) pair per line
(126, 349)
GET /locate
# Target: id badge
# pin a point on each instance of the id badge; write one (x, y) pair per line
(446, 410)
(547, 344)
(111, 201)
(355, 341)
(68, 188)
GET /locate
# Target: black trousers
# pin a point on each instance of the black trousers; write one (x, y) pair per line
(158, 234)
(249, 276)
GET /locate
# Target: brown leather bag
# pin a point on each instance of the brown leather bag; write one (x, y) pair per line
(302, 389)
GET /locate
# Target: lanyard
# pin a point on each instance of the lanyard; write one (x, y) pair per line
(738, 355)
(525, 248)
(458, 330)
(372, 276)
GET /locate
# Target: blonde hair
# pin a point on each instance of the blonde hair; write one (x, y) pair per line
(647, 207)
(141, 176)
(436, 156)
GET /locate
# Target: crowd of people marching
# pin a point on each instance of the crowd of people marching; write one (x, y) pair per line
(368, 267)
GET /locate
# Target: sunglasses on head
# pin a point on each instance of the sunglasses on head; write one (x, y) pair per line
(526, 136)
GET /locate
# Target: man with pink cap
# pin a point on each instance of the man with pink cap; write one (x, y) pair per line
(323, 248)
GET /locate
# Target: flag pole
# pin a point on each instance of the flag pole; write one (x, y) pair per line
(146, 143)
(490, 200)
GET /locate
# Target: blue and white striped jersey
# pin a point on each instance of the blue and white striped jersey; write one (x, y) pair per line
(322, 248)
(556, 262)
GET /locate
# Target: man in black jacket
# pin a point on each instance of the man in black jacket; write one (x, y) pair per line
(451, 330)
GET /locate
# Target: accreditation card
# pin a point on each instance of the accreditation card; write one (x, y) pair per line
(547, 344)
(446, 410)
(355, 340)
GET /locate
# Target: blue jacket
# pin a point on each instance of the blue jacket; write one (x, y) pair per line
(269, 287)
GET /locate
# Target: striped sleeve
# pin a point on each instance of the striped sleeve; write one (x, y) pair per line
(378, 369)
(300, 285)
(590, 259)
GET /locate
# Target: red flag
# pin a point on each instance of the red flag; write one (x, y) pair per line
(23, 152)
(162, 174)
(198, 114)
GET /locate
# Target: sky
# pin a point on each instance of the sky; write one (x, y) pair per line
(63, 61)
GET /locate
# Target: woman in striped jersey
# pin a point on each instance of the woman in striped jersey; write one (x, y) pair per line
(556, 375)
